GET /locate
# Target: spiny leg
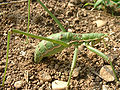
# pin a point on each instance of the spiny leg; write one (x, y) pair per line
(103, 56)
(73, 65)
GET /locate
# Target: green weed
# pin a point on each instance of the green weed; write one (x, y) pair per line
(111, 5)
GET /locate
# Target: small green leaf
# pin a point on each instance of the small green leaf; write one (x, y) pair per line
(88, 4)
(116, 1)
(97, 3)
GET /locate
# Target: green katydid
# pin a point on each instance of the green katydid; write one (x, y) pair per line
(59, 41)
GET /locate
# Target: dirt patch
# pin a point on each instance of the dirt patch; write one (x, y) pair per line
(79, 20)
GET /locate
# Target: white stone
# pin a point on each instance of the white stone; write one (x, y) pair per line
(59, 85)
(44, 76)
(67, 22)
(18, 84)
(111, 32)
(70, 5)
(100, 23)
(105, 87)
(106, 39)
(16, 37)
(106, 73)
(22, 53)
(70, 30)
(5, 34)
(114, 49)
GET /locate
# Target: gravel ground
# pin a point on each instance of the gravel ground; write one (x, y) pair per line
(32, 76)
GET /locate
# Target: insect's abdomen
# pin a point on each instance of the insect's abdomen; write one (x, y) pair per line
(46, 48)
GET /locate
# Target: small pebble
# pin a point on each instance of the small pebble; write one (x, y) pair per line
(5, 34)
(76, 72)
(34, 82)
(118, 83)
(56, 66)
(9, 79)
(2, 68)
(32, 77)
(70, 30)
(16, 37)
(105, 87)
(91, 54)
(100, 23)
(75, 1)
(106, 73)
(70, 4)
(59, 85)
(22, 53)
(41, 82)
(81, 47)
(45, 76)
(76, 21)
(18, 84)
(106, 39)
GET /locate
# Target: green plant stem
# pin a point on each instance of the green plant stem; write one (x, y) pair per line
(8, 43)
(55, 19)
(28, 19)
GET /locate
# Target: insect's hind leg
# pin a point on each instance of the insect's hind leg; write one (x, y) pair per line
(103, 56)
(73, 65)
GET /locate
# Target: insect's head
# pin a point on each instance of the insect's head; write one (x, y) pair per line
(99, 37)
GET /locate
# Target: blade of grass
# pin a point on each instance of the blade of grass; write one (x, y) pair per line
(88, 4)
(28, 19)
(8, 44)
(55, 19)
(97, 3)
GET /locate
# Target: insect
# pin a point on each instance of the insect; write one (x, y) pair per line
(47, 48)
(57, 42)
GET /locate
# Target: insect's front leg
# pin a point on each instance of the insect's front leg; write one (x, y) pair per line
(29, 35)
